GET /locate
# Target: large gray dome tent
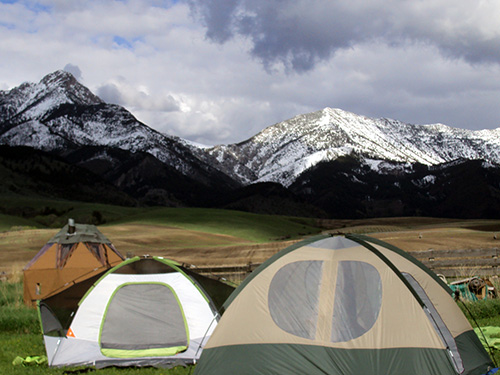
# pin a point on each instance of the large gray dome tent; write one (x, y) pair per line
(343, 305)
(144, 312)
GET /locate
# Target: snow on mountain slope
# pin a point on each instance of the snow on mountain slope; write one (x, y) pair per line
(33, 100)
(59, 113)
(283, 151)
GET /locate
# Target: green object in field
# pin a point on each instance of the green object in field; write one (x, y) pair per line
(492, 335)
(465, 292)
(36, 360)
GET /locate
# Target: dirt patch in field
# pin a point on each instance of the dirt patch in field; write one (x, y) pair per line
(17, 248)
(141, 239)
(440, 239)
(238, 255)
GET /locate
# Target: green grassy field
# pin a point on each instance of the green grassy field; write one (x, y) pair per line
(251, 227)
(37, 213)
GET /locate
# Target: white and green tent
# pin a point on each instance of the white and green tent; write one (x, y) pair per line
(342, 305)
(143, 312)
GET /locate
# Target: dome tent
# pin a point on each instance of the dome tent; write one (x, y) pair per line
(76, 253)
(144, 312)
(343, 305)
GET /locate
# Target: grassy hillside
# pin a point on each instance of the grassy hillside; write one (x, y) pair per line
(181, 233)
(9, 222)
(54, 213)
(42, 213)
(251, 227)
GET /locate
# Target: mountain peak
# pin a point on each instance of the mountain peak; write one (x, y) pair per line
(59, 78)
(66, 85)
(283, 151)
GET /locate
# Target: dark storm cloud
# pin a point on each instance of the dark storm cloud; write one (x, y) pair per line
(217, 17)
(472, 48)
(286, 31)
(73, 69)
(110, 94)
(300, 33)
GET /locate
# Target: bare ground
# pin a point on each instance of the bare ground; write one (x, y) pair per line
(206, 249)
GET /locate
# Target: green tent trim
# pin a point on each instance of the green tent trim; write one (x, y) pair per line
(172, 264)
(320, 360)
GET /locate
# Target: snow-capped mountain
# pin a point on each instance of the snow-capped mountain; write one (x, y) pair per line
(283, 151)
(332, 162)
(59, 114)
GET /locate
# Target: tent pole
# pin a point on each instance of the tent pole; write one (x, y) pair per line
(389, 264)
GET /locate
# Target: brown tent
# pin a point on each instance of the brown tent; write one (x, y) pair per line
(78, 252)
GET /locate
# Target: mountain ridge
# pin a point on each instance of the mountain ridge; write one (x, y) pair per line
(278, 153)
(378, 165)
(283, 151)
(59, 114)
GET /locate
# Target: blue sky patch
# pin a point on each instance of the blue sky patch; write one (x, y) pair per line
(122, 42)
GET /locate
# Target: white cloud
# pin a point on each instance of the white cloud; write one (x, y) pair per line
(416, 61)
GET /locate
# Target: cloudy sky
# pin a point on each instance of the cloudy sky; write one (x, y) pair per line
(219, 71)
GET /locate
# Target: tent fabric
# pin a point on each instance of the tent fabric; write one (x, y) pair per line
(438, 324)
(143, 312)
(342, 305)
(67, 259)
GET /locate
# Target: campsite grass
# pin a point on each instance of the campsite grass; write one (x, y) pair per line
(484, 312)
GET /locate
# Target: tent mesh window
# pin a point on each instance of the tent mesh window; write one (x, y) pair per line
(64, 251)
(97, 250)
(144, 316)
(293, 297)
(358, 298)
